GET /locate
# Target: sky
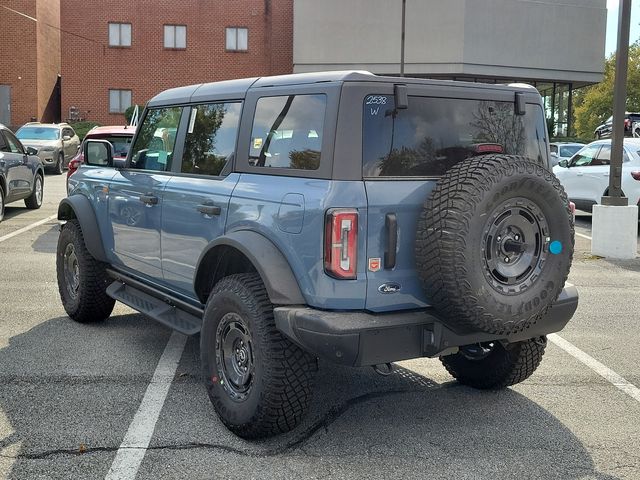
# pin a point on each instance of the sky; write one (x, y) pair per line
(612, 24)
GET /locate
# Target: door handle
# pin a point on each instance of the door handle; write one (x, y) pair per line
(209, 209)
(149, 199)
(578, 174)
(606, 174)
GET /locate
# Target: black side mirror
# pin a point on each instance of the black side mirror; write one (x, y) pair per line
(98, 153)
(31, 151)
(119, 163)
(563, 163)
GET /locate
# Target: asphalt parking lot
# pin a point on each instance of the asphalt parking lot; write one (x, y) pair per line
(69, 393)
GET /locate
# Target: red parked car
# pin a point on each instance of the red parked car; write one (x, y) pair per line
(119, 136)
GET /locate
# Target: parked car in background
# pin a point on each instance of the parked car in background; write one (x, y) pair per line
(56, 143)
(119, 136)
(563, 151)
(604, 130)
(585, 177)
(21, 172)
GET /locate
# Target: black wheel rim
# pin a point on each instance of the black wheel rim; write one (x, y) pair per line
(234, 356)
(514, 245)
(71, 270)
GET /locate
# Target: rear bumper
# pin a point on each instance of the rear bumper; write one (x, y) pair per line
(361, 338)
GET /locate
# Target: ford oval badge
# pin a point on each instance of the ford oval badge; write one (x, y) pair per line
(389, 287)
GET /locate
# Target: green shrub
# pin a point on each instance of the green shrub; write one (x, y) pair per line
(82, 128)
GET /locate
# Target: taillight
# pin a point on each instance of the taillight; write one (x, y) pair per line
(341, 243)
(489, 148)
(73, 166)
(636, 175)
(627, 123)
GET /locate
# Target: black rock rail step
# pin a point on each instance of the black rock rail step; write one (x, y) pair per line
(156, 308)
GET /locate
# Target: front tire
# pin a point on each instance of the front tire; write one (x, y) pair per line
(59, 167)
(495, 365)
(1, 203)
(82, 280)
(258, 381)
(34, 201)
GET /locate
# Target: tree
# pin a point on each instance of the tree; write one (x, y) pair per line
(594, 104)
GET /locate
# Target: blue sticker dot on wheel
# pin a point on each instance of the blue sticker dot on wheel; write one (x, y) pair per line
(555, 247)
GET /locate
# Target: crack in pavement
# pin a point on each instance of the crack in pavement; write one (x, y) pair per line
(333, 414)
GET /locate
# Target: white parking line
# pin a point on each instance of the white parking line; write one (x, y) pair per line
(605, 372)
(583, 235)
(27, 228)
(136, 441)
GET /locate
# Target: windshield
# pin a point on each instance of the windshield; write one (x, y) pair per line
(433, 134)
(38, 133)
(569, 150)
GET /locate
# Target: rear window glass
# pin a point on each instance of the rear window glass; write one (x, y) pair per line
(287, 132)
(434, 134)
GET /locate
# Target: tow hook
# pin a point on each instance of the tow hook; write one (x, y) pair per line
(384, 369)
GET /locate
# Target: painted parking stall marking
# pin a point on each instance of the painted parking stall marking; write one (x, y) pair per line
(28, 227)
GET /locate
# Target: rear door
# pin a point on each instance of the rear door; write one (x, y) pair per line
(405, 151)
(136, 192)
(14, 159)
(196, 198)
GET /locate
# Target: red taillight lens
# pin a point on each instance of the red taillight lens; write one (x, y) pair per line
(341, 243)
(74, 165)
(627, 123)
(636, 175)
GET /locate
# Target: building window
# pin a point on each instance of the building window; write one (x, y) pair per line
(237, 39)
(119, 100)
(119, 34)
(175, 36)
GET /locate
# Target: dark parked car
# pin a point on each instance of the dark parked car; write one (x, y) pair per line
(21, 172)
(605, 130)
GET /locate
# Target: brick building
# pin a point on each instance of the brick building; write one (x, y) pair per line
(117, 53)
(29, 61)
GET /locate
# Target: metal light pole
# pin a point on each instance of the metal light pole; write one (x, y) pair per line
(619, 106)
(404, 7)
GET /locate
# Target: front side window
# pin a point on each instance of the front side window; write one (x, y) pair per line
(237, 39)
(287, 132)
(175, 36)
(156, 140)
(211, 138)
(119, 34)
(119, 100)
(435, 133)
(585, 157)
(14, 144)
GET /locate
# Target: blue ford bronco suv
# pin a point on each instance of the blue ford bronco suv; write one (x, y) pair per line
(341, 215)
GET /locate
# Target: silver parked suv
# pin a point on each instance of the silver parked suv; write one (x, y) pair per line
(56, 143)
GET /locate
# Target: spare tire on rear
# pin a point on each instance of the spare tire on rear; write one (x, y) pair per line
(494, 244)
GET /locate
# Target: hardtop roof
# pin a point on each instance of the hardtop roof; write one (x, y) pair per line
(237, 89)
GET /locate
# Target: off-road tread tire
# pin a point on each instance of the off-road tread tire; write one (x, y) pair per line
(58, 168)
(92, 304)
(505, 365)
(31, 202)
(442, 235)
(286, 384)
(1, 203)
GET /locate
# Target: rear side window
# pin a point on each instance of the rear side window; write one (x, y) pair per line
(211, 138)
(156, 140)
(434, 134)
(287, 132)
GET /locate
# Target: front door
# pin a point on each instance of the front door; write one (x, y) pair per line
(136, 193)
(5, 104)
(197, 197)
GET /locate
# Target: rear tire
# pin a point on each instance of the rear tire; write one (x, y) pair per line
(1, 203)
(82, 280)
(34, 201)
(258, 381)
(503, 366)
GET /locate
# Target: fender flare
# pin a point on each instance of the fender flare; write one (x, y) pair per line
(279, 280)
(79, 207)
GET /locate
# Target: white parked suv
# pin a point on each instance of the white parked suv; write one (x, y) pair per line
(585, 176)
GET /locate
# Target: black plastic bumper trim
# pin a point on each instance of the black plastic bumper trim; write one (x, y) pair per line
(359, 338)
